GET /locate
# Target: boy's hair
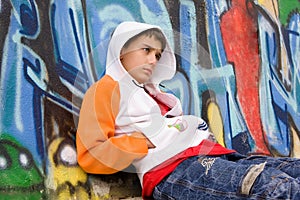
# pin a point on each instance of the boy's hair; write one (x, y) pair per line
(149, 32)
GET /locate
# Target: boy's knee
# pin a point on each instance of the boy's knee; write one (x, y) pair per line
(247, 182)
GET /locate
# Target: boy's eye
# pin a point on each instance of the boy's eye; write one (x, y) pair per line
(158, 56)
(146, 49)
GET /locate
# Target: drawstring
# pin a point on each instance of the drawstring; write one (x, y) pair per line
(138, 84)
(161, 85)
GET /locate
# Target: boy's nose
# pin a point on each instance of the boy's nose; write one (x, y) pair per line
(152, 58)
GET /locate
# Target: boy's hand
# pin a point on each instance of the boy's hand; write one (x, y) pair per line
(141, 135)
(212, 138)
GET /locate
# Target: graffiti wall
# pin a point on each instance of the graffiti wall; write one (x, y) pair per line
(238, 67)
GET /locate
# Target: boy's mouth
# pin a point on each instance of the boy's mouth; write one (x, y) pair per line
(148, 71)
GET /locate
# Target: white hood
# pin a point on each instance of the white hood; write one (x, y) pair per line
(165, 68)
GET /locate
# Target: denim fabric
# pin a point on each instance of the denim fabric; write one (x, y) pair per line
(232, 176)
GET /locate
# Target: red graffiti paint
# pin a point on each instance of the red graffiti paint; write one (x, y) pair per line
(239, 32)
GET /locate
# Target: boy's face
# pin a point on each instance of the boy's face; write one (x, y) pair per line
(139, 58)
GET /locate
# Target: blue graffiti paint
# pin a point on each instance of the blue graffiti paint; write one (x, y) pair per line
(153, 6)
(214, 34)
(29, 19)
(68, 72)
(186, 42)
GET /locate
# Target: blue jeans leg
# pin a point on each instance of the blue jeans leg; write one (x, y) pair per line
(290, 166)
(228, 177)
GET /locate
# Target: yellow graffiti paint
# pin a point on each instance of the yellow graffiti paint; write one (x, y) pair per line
(296, 143)
(216, 122)
(270, 6)
(65, 178)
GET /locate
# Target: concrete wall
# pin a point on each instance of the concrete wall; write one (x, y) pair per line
(237, 66)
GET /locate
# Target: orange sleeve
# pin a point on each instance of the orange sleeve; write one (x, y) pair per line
(99, 151)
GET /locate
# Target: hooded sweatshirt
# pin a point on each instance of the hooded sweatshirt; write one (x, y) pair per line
(116, 107)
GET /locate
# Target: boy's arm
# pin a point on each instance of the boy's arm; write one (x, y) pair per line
(99, 150)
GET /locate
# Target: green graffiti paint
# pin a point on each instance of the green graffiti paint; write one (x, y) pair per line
(19, 176)
(286, 8)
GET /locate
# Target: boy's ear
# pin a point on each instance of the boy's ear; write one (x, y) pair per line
(121, 54)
